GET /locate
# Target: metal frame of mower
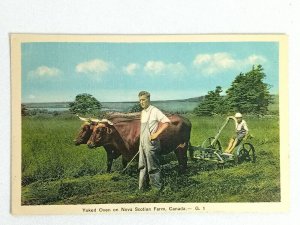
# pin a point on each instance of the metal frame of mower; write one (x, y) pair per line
(211, 150)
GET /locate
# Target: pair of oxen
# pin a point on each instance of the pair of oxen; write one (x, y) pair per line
(119, 135)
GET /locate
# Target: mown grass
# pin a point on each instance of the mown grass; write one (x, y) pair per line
(55, 171)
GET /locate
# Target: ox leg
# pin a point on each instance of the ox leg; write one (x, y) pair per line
(109, 161)
(181, 154)
(124, 162)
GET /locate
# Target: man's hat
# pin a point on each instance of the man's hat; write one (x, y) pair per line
(238, 115)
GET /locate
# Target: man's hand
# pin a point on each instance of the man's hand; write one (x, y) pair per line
(231, 117)
(153, 136)
(159, 131)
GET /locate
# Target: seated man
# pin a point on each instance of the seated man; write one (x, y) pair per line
(241, 132)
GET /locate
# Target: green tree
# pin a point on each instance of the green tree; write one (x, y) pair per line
(211, 104)
(136, 108)
(85, 104)
(24, 110)
(248, 93)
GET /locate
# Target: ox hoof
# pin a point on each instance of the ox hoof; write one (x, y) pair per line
(182, 170)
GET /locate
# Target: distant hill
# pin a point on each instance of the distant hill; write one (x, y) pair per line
(173, 106)
(176, 106)
(47, 104)
(195, 99)
(66, 104)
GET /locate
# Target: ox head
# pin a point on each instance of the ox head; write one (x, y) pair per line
(84, 134)
(101, 134)
(86, 130)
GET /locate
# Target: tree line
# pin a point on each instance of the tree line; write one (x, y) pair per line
(247, 94)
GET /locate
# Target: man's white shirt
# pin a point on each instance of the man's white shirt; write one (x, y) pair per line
(241, 126)
(153, 115)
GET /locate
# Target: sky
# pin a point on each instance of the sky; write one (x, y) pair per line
(116, 72)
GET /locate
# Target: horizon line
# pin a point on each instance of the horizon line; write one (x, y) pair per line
(129, 101)
(118, 101)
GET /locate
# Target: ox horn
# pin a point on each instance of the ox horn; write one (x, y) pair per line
(102, 121)
(107, 121)
(95, 120)
(83, 119)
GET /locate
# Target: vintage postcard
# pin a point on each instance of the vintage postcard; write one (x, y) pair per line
(149, 123)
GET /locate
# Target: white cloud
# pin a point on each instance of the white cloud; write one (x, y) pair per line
(31, 96)
(255, 59)
(154, 67)
(95, 66)
(131, 68)
(160, 67)
(209, 64)
(202, 58)
(44, 71)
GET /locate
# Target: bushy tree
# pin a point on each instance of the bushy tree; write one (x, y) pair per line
(136, 108)
(24, 110)
(85, 104)
(211, 104)
(248, 93)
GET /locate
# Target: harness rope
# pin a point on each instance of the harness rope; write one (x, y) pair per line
(138, 150)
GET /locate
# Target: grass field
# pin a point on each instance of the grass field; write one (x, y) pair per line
(55, 171)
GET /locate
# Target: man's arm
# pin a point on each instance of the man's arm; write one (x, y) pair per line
(164, 120)
(231, 117)
(159, 131)
(246, 129)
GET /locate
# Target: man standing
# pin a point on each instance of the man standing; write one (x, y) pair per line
(149, 149)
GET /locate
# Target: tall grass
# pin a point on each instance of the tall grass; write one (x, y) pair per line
(48, 151)
(55, 171)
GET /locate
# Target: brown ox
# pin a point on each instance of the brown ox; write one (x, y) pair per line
(123, 137)
(86, 131)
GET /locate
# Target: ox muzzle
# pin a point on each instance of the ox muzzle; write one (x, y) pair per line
(77, 142)
(91, 145)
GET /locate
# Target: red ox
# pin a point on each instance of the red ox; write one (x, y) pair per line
(121, 136)
(87, 130)
(85, 133)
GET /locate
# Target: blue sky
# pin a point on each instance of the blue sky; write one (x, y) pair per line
(58, 71)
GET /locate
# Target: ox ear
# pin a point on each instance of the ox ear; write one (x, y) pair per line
(92, 125)
(108, 130)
